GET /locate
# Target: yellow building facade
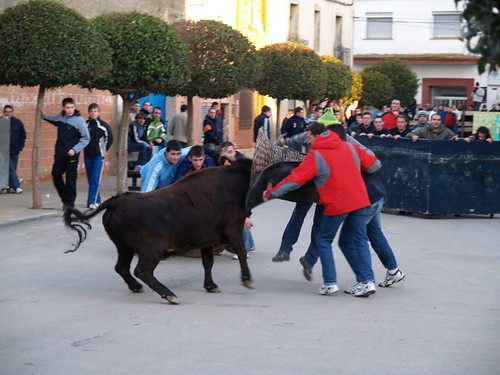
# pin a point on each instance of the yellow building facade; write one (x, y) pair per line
(324, 25)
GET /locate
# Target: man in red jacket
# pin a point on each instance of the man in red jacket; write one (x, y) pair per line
(335, 167)
(450, 120)
(391, 116)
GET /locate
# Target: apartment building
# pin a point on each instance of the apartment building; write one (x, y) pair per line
(426, 34)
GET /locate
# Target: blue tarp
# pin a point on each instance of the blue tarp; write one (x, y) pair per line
(439, 177)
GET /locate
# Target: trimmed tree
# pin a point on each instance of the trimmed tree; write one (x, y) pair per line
(291, 71)
(482, 31)
(222, 61)
(148, 57)
(377, 89)
(48, 45)
(356, 89)
(403, 79)
(338, 78)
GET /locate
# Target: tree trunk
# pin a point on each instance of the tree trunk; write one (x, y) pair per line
(190, 120)
(35, 173)
(278, 119)
(121, 178)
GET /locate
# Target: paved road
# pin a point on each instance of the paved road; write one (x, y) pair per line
(72, 314)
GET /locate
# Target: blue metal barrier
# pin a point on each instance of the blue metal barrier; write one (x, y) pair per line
(439, 177)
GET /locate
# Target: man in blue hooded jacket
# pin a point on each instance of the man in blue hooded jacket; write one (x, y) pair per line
(160, 171)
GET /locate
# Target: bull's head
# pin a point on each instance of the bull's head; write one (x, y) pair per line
(270, 177)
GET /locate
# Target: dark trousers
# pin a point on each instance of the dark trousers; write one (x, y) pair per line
(292, 230)
(13, 179)
(144, 152)
(68, 166)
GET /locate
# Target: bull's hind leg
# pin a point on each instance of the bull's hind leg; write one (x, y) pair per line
(122, 267)
(207, 258)
(144, 271)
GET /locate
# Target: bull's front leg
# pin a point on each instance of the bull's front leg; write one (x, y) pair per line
(207, 258)
(239, 250)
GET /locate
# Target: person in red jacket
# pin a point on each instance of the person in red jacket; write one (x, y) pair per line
(450, 119)
(391, 116)
(335, 167)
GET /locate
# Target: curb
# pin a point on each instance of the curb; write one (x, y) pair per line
(43, 217)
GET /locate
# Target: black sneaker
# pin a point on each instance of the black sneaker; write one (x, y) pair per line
(281, 256)
(307, 269)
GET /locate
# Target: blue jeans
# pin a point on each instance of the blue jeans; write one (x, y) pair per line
(93, 167)
(144, 152)
(377, 239)
(292, 230)
(353, 241)
(13, 179)
(326, 234)
(248, 240)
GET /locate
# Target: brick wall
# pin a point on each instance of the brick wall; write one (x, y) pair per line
(24, 102)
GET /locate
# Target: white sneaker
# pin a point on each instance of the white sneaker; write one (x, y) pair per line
(392, 279)
(94, 206)
(328, 290)
(352, 289)
(235, 257)
(18, 191)
(365, 289)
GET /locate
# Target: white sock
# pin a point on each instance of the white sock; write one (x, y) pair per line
(393, 272)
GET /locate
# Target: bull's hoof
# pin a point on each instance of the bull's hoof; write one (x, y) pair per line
(248, 284)
(137, 289)
(213, 289)
(172, 300)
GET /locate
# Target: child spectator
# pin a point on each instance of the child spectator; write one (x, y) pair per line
(482, 134)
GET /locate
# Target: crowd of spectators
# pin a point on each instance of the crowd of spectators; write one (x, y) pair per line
(439, 122)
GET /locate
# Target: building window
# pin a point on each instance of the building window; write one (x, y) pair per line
(293, 31)
(379, 25)
(340, 52)
(338, 32)
(317, 29)
(447, 25)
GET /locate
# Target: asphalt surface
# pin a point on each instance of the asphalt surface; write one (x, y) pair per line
(72, 314)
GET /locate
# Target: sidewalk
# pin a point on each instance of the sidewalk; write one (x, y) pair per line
(17, 208)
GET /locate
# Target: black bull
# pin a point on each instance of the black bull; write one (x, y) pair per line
(204, 209)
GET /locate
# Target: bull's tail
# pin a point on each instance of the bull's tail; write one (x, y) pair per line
(79, 221)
